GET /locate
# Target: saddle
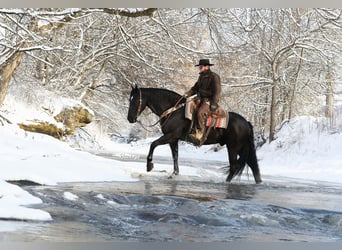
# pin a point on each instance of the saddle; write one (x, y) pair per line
(217, 119)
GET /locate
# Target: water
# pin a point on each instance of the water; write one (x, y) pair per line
(185, 210)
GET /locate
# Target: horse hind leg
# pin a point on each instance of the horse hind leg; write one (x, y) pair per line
(233, 165)
(252, 162)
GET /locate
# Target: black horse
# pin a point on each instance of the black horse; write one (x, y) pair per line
(238, 137)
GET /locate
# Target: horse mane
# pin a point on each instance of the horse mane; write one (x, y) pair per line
(166, 93)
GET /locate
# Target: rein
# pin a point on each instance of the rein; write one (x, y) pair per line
(170, 111)
(166, 113)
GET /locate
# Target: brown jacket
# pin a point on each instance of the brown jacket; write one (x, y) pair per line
(207, 86)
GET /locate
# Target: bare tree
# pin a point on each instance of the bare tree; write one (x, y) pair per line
(26, 31)
(285, 41)
(95, 55)
(272, 62)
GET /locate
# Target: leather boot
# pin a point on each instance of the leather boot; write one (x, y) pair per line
(195, 137)
(199, 134)
(202, 135)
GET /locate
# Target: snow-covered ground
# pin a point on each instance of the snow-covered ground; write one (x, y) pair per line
(304, 149)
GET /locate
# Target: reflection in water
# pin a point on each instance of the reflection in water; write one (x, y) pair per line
(186, 189)
(170, 187)
(241, 191)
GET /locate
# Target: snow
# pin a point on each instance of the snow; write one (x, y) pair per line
(305, 148)
(12, 199)
(18, 110)
(70, 196)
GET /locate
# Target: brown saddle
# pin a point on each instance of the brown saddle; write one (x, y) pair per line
(218, 113)
(217, 118)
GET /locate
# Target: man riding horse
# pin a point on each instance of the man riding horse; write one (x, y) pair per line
(208, 90)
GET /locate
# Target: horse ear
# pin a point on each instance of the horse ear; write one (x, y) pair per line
(134, 87)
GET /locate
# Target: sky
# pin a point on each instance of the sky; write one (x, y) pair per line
(306, 148)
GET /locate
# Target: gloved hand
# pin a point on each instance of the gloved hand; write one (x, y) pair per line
(187, 94)
(213, 106)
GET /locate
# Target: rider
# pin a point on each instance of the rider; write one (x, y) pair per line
(208, 89)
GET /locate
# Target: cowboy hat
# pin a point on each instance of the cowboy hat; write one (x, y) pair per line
(204, 62)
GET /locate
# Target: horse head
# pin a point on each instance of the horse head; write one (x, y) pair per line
(135, 104)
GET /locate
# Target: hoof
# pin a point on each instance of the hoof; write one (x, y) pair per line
(174, 174)
(149, 166)
(229, 179)
(257, 179)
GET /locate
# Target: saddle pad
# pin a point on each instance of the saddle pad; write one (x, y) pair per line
(189, 109)
(221, 122)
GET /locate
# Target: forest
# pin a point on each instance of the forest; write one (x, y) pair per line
(274, 64)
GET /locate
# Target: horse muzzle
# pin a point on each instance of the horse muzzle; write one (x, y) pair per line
(132, 119)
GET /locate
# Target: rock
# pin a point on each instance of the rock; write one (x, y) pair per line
(67, 121)
(73, 118)
(43, 127)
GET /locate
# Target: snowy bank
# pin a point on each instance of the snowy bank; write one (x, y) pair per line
(304, 148)
(12, 201)
(45, 160)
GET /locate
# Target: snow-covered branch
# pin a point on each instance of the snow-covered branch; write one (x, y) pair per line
(128, 12)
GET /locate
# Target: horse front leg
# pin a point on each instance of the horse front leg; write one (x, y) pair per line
(160, 141)
(174, 150)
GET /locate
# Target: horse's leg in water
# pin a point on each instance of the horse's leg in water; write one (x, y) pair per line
(167, 138)
(233, 162)
(174, 150)
(253, 164)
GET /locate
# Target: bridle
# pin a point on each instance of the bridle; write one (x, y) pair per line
(140, 101)
(139, 111)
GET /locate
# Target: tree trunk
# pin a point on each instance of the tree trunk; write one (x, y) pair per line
(7, 70)
(329, 95)
(273, 110)
(294, 87)
(274, 94)
(279, 57)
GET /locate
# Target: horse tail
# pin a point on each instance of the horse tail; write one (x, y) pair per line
(252, 160)
(244, 155)
(247, 153)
